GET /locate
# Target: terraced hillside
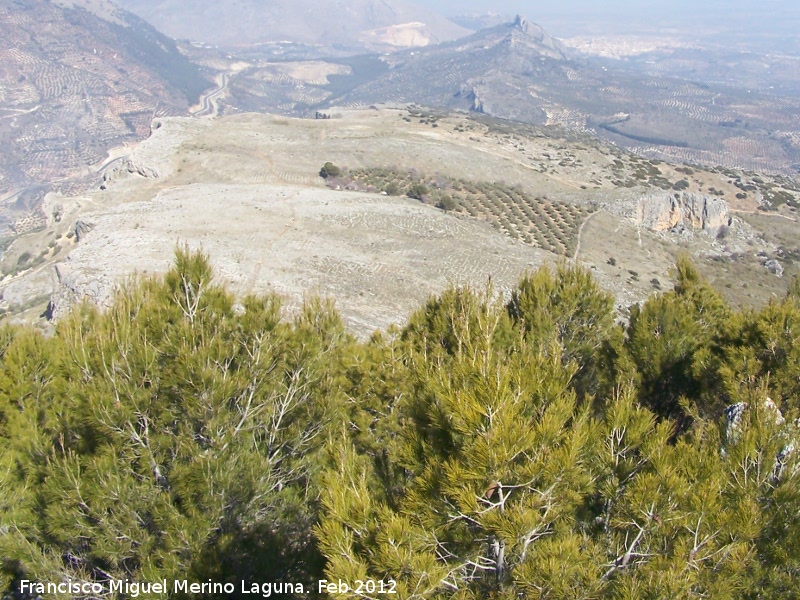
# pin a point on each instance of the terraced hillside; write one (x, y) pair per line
(77, 78)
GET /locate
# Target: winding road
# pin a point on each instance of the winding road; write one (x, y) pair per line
(18, 112)
(208, 105)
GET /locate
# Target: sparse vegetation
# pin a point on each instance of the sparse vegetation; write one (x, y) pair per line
(777, 197)
(329, 170)
(417, 190)
(536, 221)
(446, 202)
(392, 189)
(682, 184)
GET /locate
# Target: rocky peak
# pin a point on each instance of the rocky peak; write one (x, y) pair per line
(526, 26)
(531, 34)
(521, 22)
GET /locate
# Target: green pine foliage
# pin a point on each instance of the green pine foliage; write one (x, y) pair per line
(173, 436)
(529, 448)
(570, 307)
(668, 339)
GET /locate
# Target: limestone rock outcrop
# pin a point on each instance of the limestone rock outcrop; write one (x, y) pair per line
(736, 420)
(675, 210)
(126, 168)
(74, 285)
(81, 228)
(774, 267)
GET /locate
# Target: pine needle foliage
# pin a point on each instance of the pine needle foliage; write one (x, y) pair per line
(171, 436)
(569, 306)
(525, 448)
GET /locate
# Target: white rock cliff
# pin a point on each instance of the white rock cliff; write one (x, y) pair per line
(671, 210)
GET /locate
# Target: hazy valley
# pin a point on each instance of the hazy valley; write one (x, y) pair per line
(339, 27)
(77, 79)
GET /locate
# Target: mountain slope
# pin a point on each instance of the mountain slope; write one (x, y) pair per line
(355, 24)
(77, 78)
(516, 71)
(471, 72)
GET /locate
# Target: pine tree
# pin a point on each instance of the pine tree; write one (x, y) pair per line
(569, 306)
(184, 434)
(669, 337)
(490, 462)
(174, 436)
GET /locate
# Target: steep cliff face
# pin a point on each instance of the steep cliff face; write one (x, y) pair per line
(671, 210)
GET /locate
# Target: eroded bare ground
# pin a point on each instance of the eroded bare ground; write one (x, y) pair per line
(246, 190)
(379, 259)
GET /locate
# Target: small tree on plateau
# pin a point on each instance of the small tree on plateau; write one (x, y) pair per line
(446, 203)
(329, 170)
(418, 191)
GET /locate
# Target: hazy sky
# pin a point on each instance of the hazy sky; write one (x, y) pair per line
(565, 7)
(568, 17)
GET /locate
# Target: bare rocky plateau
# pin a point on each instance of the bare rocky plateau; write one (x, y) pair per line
(246, 190)
(378, 259)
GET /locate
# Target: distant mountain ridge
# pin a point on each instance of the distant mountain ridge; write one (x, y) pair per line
(478, 21)
(470, 72)
(355, 24)
(517, 71)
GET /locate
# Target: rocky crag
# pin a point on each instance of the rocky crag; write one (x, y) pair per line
(679, 211)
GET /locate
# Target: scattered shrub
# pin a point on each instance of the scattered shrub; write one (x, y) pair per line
(329, 170)
(418, 191)
(680, 185)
